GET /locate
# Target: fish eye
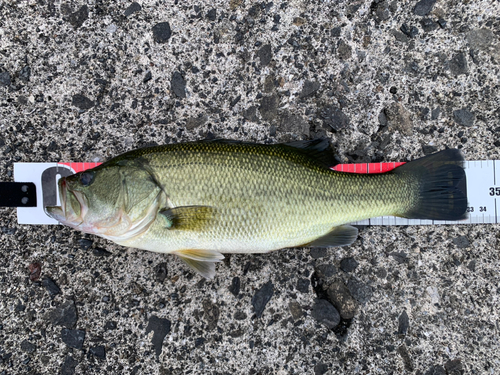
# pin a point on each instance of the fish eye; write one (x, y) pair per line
(86, 178)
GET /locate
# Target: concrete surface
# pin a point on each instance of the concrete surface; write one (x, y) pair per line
(383, 80)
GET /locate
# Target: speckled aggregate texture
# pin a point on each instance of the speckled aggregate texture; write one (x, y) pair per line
(382, 80)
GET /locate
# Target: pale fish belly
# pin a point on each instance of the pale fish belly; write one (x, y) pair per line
(227, 240)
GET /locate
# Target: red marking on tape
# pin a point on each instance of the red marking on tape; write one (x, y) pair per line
(78, 167)
(348, 168)
(367, 167)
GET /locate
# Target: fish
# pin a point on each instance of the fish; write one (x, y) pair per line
(200, 200)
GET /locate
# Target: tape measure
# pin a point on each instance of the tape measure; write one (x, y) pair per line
(482, 190)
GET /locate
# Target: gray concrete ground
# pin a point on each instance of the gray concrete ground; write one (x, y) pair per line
(382, 80)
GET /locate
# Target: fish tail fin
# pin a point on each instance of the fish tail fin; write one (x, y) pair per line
(441, 184)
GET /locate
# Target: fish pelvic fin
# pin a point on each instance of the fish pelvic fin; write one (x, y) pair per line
(441, 184)
(191, 218)
(343, 235)
(201, 261)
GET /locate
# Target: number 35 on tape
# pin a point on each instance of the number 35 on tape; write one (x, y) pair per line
(483, 192)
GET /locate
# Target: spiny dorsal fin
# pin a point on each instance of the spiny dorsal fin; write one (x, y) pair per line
(201, 261)
(343, 235)
(187, 217)
(318, 149)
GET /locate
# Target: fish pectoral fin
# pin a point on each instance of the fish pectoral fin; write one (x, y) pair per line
(187, 217)
(201, 261)
(343, 235)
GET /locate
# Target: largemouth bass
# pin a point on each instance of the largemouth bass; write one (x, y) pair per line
(203, 199)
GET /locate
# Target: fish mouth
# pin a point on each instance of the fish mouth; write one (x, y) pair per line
(59, 212)
(73, 206)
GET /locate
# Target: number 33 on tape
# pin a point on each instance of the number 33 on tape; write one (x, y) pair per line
(483, 189)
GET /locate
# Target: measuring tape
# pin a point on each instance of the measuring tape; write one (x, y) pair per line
(482, 190)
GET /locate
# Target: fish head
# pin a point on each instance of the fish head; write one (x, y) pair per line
(115, 202)
(88, 200)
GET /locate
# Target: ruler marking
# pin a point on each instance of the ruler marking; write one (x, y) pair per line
(496, 216)
(494, 174)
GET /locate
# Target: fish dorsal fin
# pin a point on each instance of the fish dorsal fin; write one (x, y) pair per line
(187, 217)
(222, 141)
(318, 149)
(201, 261)
(343, 235)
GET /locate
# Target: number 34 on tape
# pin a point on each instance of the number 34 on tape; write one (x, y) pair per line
(483, 192)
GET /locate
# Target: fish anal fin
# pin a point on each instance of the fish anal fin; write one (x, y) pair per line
(343, 235)
(187, 217)
(201, 261)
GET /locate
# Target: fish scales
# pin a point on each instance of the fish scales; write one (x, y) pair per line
(202, 199)
(265, 198)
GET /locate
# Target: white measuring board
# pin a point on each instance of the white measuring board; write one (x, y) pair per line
(483, 191)
(483, 195)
